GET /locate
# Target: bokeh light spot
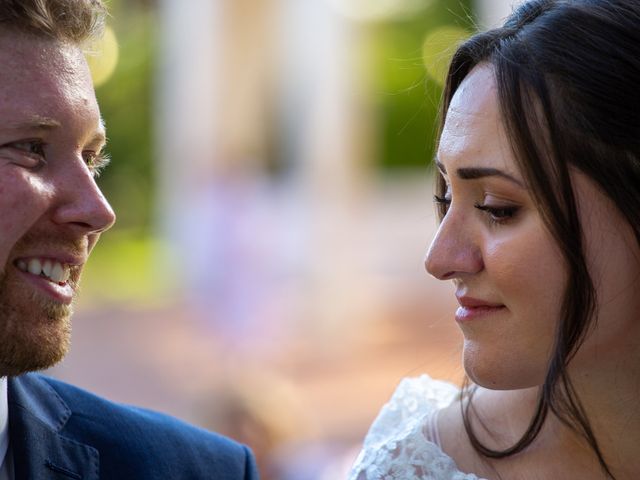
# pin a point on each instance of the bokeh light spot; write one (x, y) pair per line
(102, 57)
(438, 47)
(378, 10)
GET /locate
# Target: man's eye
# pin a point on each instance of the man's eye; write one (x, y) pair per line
(96, 161)
(31, 147)
(26, 153)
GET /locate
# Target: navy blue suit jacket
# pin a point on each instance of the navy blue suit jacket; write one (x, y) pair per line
(58, 431)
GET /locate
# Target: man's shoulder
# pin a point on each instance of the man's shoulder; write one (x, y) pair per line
(131, 437)
(91, 409)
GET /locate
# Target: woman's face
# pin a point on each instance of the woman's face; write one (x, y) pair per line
(507, 270)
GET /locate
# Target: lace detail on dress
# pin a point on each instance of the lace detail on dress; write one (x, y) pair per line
(400, 444)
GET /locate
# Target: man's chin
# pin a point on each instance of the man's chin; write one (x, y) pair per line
(35, 330)
(42, 345)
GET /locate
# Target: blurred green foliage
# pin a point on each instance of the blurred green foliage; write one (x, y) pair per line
(124, 269)
(406, 98)
(122, 266)
(126, 102)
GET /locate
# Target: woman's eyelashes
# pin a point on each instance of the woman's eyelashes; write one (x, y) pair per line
(442, 204)
(498, 214)
(495, 213)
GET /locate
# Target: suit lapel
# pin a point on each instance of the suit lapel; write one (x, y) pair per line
(37, 414)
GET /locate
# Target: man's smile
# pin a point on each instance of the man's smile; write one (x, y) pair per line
(53, 276)
(55, 271)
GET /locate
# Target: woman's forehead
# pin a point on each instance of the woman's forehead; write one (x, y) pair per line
(477, 89)
(473, 133)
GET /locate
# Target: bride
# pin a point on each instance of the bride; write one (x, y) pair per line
(539, 199)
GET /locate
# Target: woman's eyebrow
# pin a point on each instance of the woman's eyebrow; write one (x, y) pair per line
(472, 173)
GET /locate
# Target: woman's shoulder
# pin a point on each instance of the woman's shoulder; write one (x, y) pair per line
(423, 392)
(402, 441)
(416, 400)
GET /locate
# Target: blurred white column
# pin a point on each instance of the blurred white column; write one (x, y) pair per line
(325, 147)
(491, 13)
(188, 89)
(226, 233)
(210, 141)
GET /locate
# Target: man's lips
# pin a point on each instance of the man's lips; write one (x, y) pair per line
(55, 275)
(62, 292)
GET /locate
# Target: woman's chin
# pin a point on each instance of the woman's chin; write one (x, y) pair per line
(496, 372)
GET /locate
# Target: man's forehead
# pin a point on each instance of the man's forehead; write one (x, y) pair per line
(42, 122)
(46, 86)
(22, 52)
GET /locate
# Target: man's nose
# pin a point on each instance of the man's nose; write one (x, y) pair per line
(455, 250)
(81, 204)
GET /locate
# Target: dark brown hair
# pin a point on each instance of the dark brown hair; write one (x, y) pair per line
(75, 21)
(568, 77)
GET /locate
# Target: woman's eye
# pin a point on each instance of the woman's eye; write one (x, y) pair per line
(498, 214)
(442, 204)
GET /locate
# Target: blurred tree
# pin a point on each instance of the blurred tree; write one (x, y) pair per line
(126, 105)
(125, 260)
(407, 98)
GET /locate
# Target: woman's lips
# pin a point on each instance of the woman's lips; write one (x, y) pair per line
(465, 314)
(472, 309)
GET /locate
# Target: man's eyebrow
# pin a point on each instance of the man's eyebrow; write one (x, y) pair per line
(101, 135)
(35, 122)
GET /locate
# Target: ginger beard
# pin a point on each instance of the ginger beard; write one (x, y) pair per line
(35, 329)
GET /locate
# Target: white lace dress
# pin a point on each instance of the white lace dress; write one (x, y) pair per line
(403, 442)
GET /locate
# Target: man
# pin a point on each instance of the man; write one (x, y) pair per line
(51, 215)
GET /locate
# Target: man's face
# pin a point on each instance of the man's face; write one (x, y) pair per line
(51, 210)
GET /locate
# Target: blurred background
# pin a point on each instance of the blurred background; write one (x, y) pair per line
(271, 173)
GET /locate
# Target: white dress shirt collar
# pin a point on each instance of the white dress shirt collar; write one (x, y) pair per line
(4, 428)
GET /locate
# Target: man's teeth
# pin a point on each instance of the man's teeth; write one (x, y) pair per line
(55, 271)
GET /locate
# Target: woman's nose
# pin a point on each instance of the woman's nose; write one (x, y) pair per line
(455, 250)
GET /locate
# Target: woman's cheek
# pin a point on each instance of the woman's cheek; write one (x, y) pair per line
(527, 269)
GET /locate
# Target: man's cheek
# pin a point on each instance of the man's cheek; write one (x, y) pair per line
(22, 203)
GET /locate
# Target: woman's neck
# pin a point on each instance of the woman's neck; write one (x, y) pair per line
(609, 392)
(499, 419)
